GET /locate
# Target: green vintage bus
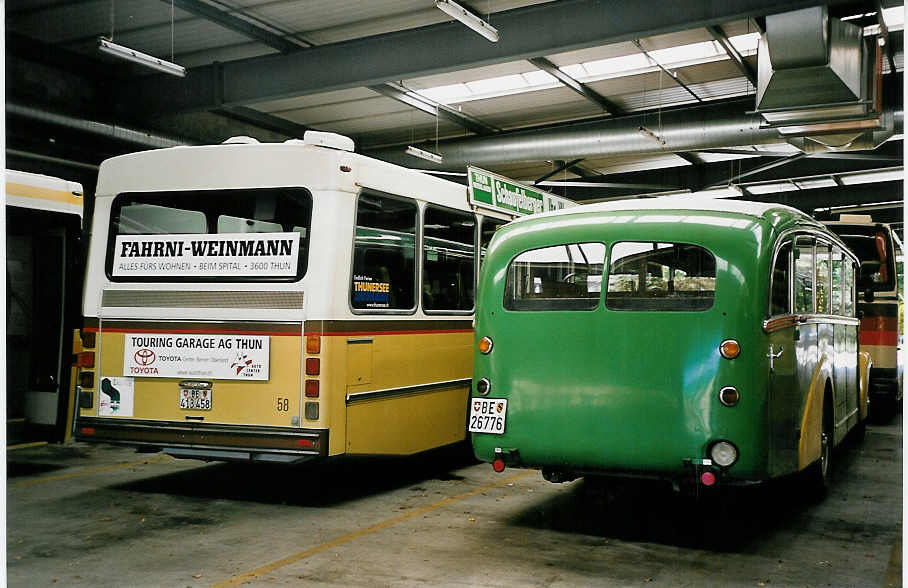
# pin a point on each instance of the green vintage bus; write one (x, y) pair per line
(701, 342)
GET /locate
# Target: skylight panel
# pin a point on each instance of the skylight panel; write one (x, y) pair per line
(539, 78)
(615, 65)
(447, 94)
(498, 85)
(875, 176)
(687, 53)
(745, 44)
(575, 70)
(894, 17)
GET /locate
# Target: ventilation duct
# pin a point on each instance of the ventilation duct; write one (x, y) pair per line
(819, 82)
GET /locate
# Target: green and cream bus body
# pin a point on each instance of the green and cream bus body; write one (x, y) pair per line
(700, 342)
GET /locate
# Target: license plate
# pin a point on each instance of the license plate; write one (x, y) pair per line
(195, 399)
(487, 415)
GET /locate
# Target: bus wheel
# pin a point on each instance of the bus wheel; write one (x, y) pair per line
(817, 475)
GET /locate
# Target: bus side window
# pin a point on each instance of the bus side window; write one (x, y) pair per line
(449, 246)
(848, 294)
(822, 278)
(384, 253)
(838, 282)
(489, 226)
(804, 275)
(780, 300)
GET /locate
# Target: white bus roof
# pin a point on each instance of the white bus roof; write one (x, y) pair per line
(745, 207)
(39, 192)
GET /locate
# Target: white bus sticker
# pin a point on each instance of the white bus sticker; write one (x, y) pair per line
(116, 396)
(217, 357)
(226, 255)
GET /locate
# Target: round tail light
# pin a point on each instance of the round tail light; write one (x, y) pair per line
(483, 386)
(730, 349)
(729, 396)
(723, 453)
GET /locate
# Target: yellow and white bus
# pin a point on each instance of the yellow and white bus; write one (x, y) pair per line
(43, 288)
(279, 302)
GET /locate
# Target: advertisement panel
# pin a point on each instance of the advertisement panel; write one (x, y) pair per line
(226, 255)
(216, 357)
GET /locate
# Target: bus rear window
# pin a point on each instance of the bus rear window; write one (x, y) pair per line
(563, 277)
(210, 235)
(660, 276)
(874, 249)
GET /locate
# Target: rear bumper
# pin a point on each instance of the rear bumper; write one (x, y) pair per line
(208, 441)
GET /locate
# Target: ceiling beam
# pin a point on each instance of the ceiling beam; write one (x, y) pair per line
(734, 178)
(236, 24)
(262, 120)
(732, 53)
(560, 166)
(593, 96)
(531, 31)
(435, 108)
(672, 74)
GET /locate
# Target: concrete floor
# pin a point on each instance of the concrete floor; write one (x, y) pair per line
(106, 516)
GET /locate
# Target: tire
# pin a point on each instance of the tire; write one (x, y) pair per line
(817, 475)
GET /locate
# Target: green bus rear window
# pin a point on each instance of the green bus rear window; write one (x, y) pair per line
(660, 276)
(562, 277)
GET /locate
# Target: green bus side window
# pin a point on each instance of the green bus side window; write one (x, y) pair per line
(804, 276)
(780, 302)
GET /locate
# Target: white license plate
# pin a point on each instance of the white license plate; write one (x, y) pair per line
(195, 399)
(487, 415)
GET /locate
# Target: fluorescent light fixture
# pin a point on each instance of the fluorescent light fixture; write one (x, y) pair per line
(815, 183)
(651, 135)
(468, 18)
(729, 191)
(771, 188)
(427, 155)
(870, 177)
(140, 58)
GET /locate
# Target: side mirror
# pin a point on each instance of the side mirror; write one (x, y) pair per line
(868, 295)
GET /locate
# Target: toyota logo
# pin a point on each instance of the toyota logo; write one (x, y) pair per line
(144, 357)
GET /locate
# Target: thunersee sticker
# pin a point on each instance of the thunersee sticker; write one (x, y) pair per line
(222, 255)
(218, 357)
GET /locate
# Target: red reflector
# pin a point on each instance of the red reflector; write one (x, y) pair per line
(498, 465)
(86, 359)
(88, 431)
(311, 388)
(708, 478)
(313, 366)
(306, 443)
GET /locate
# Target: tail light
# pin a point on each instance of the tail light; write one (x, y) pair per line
(85, 359)
(729, 396)
(88, 339)
(313, 366)
(311, 388)
(313, 344)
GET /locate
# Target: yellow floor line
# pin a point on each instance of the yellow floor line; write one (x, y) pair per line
(88, 472)
(893, 576)
(246, 576)
(26, 445)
